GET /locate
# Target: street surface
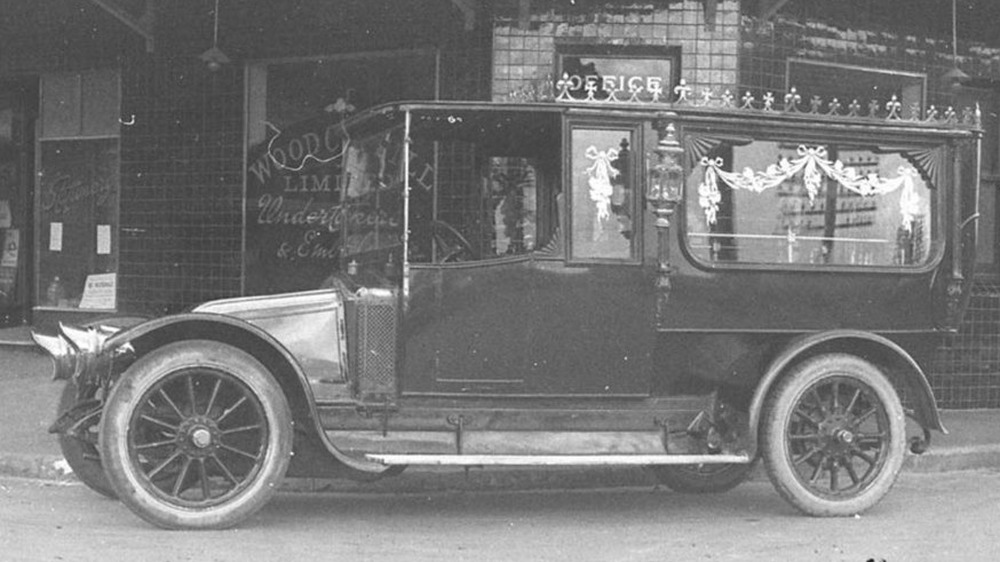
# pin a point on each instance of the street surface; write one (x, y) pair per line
(940, 517)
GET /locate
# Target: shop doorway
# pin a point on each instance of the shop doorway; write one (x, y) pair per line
(18, 113)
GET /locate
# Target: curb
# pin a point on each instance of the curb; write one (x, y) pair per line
(431, 480)
(43, 467)
(955, 458)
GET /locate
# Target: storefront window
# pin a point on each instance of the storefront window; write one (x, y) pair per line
(77, 192)
(298, 194)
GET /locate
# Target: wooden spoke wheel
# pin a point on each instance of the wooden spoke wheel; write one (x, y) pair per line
(833, 436)
(196, 435)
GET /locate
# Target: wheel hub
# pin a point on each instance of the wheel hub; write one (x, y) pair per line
(198, 436)
(844, 436)
(837, 432)
(201, 437)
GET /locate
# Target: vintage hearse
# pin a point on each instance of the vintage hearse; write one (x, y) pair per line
(687, 286)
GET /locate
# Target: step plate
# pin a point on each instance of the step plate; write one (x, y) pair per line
(555, 460)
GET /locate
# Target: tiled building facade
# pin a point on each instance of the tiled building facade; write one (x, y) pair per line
(185, 132)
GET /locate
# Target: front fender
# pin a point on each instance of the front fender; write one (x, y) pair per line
(279, 360)
(870, 347)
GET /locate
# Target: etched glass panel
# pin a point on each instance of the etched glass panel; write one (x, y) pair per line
(603, 203)
(773, 202)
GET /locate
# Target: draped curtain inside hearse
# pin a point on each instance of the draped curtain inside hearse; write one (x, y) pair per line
(779, 201)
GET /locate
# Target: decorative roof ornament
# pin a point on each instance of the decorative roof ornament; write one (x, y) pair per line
(873, 108)
(893, 107)
(641, 90)
(706, 97)
(768, 101)
(682, 91)
(815, 104)
(792, 99)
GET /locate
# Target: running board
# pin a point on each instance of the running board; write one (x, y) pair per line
(554, 460)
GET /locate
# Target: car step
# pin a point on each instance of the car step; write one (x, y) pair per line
(553, 460)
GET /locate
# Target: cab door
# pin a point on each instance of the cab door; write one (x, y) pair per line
(526, 272)
(595, 303)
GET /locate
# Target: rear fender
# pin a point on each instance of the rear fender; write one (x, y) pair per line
(881, 351)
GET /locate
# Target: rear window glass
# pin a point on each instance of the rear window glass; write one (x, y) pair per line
(775, 202)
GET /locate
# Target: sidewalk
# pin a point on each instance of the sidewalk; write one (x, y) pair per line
(29, 398)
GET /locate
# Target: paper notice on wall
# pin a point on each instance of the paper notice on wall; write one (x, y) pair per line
(55, 237)
(99, 291)
(6, 219)
(11, 246)
(103, 239)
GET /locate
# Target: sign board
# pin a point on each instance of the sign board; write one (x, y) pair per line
(99, 291)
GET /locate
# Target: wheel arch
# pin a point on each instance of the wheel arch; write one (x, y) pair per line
(248, 338)
(903, 372)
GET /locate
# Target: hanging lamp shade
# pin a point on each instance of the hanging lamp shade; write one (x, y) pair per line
(214, 57)
(954, 77)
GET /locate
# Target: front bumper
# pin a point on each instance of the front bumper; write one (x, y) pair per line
(75, 351)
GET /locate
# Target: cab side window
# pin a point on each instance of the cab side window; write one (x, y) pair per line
(604, 195)
(482, 190)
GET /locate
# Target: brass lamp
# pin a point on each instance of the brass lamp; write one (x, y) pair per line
(666, 175)
(663, 193)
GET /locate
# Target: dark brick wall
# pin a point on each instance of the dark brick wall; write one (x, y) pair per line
(182, 184)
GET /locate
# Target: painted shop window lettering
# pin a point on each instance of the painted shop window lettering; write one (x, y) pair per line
(616, 72)
(315, 204)
(77, 192)
(772, 202)
(603, 194)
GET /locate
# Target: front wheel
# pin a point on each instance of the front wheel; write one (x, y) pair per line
(833, 436)
(196, 434)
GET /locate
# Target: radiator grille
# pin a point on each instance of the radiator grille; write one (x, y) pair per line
(377, 317)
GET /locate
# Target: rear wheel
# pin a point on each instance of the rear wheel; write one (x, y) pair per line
(196, 435)
(833, 436)
(702, 478)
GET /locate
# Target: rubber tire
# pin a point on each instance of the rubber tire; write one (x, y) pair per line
(144, 374)
(79, 454)
(686, 479)
(778, 409)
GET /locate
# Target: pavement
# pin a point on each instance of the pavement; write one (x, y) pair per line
(29, 399)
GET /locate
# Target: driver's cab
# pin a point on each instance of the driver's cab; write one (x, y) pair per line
(524, 249)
